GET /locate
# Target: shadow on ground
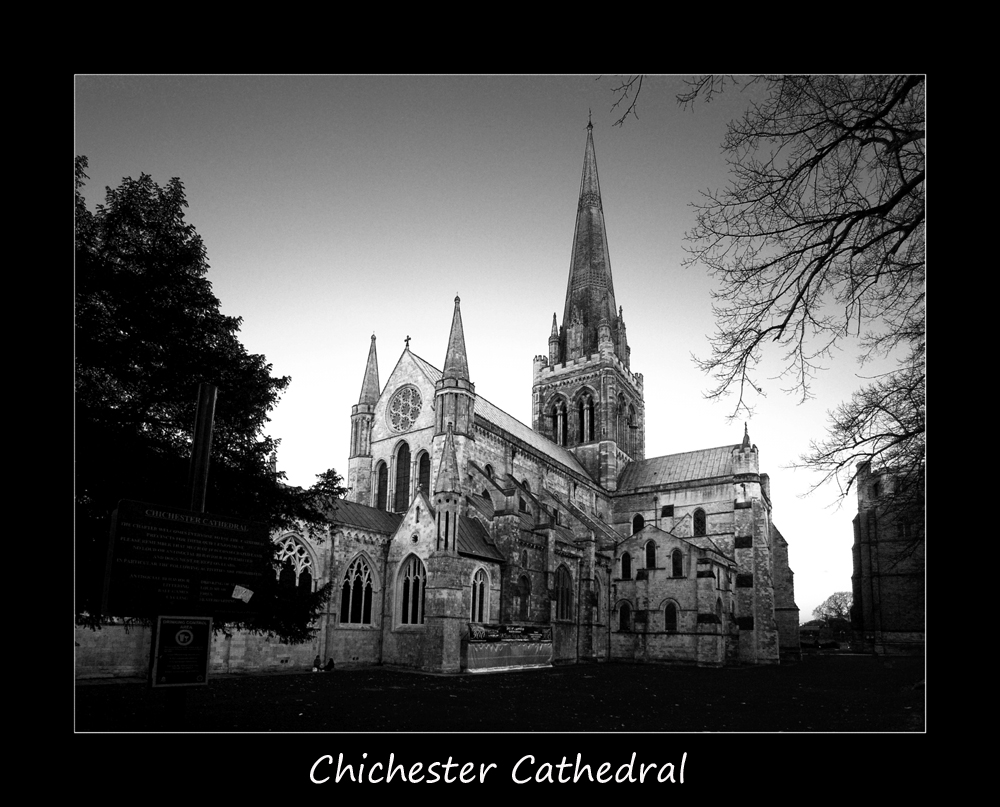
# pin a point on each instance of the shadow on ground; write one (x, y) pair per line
(836, 692)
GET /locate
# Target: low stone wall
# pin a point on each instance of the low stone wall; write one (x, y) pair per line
(112, 652)
(117, 652)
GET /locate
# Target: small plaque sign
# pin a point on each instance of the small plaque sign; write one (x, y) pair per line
(180, 654)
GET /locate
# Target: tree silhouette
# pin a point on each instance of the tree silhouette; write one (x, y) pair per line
(148, 330)
(818, 244)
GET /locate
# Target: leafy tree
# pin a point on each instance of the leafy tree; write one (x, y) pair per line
(148, 331)
(836, 606)
(818, 243)
(834, 613)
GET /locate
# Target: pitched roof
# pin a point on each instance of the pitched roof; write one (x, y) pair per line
(687, 467)
(495, 415)
(526, 434)
(352, 514)
(473, 539)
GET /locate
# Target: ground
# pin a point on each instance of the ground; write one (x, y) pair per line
(832, 692)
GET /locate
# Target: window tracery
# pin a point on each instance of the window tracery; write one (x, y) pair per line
(356, 593)
(412, 583)
(480, 597)
(404, 407)
(296, 563)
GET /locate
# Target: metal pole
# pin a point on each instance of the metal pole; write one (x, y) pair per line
(201, 448)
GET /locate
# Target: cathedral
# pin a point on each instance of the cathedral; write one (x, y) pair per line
(470, 541)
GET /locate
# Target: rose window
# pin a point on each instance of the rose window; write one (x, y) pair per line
(404, 407)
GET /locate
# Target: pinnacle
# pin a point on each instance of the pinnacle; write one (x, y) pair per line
(456, 363)
(369, 386)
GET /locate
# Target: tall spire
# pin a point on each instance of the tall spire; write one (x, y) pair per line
(456, 365)
(590, 289)
(370, 387)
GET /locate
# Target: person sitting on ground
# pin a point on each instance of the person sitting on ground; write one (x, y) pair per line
(329, 666)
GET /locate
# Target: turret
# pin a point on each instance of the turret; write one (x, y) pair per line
(746, 462)
(362, 414)
(447, 497)
(454, 393)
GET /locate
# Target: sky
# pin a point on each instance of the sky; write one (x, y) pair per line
(335, 207)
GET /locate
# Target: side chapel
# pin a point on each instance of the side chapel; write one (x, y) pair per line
(461, 520)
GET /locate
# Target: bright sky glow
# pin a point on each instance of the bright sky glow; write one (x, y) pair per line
(333, 207)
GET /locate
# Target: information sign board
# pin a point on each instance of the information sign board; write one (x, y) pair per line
(167, 560)
(509, 633)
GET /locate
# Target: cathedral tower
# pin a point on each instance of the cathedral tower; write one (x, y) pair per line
(585, 396)
(359, 466)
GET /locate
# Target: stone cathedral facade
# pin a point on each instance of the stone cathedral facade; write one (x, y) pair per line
(470, 540)
(462, 522)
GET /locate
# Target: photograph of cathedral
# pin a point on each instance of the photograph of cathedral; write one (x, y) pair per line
(472, 541)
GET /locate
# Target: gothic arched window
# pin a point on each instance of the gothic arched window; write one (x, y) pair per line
(401, 499)
(651, 555)
(638, 523)
(557, 413)
(564, 594)
(480, 597)
(381, 485)
(296, 564)
(676, 563)
(424, 472)
(626, 566)
(620, 417)
(356, 593)
(412, 580)
(625, 617)
(670, 617)
(585, 418)
(522, 598)
(699, 522)
(632, 434)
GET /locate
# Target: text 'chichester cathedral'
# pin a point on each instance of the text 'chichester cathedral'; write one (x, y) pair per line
(471, 541)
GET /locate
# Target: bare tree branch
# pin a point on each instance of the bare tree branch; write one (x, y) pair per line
(819, 237)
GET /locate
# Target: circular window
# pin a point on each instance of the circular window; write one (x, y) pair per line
(404, 406)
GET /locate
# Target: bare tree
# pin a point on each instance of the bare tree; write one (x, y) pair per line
(817, 244)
